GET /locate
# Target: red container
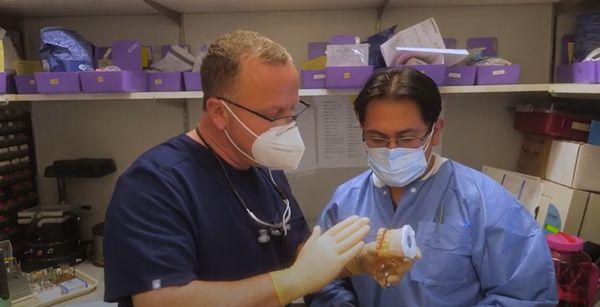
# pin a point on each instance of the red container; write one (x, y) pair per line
(577, 276)
(561, 125)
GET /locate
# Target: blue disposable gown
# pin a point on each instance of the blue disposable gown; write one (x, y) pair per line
(479, 245)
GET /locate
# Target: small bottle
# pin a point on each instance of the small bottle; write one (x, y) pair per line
(4, 294)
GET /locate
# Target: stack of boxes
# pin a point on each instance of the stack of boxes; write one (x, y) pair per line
(554, 150)
(570, 199)
(558, 175)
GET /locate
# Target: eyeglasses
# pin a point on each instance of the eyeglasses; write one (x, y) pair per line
(299, 108)
(404, 141)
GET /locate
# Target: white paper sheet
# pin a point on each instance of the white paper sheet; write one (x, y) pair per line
(307, 123)
(425, 34)
(429, 55)
(339, 137)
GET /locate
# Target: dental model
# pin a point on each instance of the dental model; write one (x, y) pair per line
(397, 242)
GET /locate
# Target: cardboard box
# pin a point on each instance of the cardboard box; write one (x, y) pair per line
(127, 54)
(527, 189)
(498, 74)
(165, 82)
(347, 77)
(314, 78)
(590, 227)
(192, 81)
(561, 208)
(460, 75)
(581, 72)
(534, 155)
(113, 81)
(574, 164)
(57, 82)
(437, 72)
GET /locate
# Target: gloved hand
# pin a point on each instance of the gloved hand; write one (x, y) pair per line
(321, 259)
(383, 259)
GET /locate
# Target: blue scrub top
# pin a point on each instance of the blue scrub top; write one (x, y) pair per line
(173, 218)
(486, 249)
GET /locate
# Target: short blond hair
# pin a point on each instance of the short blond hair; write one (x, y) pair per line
(223, 62)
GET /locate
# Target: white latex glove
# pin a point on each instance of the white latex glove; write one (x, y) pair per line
(321, 259)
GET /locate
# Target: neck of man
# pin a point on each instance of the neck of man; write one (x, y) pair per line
(217, 140)
(397, 192)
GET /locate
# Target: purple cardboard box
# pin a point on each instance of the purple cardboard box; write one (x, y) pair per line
(316, 50)
(127, 55)
(344, 39)
(113, 81)
(489, 43)
(498, 74)
(192, 81)
(313, 78)
(165, 82)
(58, 82)
(437, 72)
(347, 77)
(581, 72)
(26, 84)
(460, 75)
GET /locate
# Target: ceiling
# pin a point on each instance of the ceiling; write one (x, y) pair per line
(58, 8)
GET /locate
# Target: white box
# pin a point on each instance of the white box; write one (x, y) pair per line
(561, 208)
(574, 164)
(527, 189)
(590, 228)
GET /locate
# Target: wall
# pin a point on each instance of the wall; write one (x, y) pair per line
(479, 127)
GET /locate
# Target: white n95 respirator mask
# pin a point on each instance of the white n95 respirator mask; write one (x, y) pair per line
(280, 147)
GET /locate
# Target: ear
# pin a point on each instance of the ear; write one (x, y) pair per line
(217, 113)
(436, 139)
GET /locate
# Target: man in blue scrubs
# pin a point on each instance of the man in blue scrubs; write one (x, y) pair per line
(479, 245)
(201, 220)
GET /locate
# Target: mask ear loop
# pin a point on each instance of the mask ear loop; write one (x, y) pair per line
(238, 119)
(429, 138)
(243, 125)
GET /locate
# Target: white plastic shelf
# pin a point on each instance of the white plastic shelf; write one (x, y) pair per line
(576, 91)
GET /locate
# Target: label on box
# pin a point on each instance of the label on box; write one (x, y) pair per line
(499, 72)
(133, 47)
(318, 76)
(580, 126)
(32, 82)
(158, 81)
(455, 75)
(54, 81)
(100, 79)
(346, 75)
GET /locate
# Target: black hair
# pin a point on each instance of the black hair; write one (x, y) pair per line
(399, 83)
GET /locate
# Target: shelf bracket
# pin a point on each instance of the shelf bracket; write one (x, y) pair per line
(380, 11)
(173, 15)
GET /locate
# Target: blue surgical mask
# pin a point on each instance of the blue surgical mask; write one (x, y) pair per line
(398, 167)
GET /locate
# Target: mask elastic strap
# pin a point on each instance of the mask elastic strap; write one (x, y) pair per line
(239, 149)
(238, 119)
(429, 142)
